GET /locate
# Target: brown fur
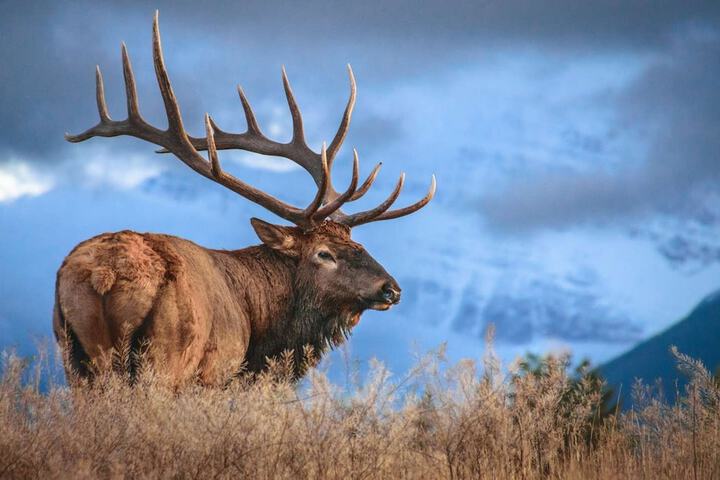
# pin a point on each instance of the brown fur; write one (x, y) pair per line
(204, 310)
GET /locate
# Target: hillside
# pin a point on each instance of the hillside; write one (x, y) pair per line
(697, 335)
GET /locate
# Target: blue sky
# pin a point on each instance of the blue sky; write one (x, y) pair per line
(575, 146)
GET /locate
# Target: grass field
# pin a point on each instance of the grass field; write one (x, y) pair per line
(439, 421)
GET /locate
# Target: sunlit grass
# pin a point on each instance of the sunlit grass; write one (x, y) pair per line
(439, 421)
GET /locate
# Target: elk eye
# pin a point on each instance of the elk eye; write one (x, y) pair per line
(326, 255)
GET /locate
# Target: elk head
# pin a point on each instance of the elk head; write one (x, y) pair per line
(331, 267)
(329, 263)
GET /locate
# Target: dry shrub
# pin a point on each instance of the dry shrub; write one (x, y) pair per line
(439, 421)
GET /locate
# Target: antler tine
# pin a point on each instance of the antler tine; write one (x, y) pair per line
(130, 88)
(250, 119)
(345, 122)
(379, 213)
(331, 207)
(369, 215)
(212, 150)
(172, 110)
(102, 112)
(323, 187)
(367, 183)
(298, 132)
(100, 96)
(401, 212)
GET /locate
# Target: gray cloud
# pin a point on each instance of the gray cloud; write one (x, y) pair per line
(49, 50)
(677, 105)
(560, 22)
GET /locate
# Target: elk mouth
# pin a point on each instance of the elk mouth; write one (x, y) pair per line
(384, 301)
(378, 303)
(381, 305)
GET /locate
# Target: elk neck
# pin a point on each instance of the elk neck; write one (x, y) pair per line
(283, 309)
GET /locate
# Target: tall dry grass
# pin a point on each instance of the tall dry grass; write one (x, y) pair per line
(439, 421)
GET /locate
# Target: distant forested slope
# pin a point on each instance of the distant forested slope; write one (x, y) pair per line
(697, 335)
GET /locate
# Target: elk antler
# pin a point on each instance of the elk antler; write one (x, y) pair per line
(327, 201)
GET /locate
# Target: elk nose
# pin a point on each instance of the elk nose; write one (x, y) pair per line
(391, 292)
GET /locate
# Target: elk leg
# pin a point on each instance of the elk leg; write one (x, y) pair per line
(178, 339)
(79, 322)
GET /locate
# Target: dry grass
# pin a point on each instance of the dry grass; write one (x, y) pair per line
(440, 421)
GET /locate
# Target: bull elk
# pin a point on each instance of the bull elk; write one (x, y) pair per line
(203, 309)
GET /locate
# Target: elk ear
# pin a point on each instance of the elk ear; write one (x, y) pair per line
(277, 237)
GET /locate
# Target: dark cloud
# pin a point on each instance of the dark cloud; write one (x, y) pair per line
(676, 104)
(49, 50)
(561, 22)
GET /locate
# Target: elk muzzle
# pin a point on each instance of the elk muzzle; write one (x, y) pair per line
(388, 294)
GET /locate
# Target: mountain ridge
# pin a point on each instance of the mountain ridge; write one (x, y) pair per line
(696, 335)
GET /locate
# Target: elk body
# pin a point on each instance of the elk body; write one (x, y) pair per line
(202, 310)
